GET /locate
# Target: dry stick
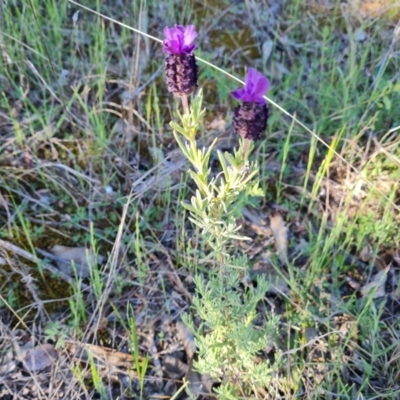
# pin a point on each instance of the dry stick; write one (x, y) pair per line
(28, 256)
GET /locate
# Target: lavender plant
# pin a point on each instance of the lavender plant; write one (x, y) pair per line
(227, 338)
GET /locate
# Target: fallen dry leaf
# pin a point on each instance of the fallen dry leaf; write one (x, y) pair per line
(185, 334)
(279, 229)
(174, 367)
(377, 282)
(80, 351)
(40, 357)
(7, 363)
(79, 255)
(276, 283)
(366, 253)
(267, 48)
(199, 384)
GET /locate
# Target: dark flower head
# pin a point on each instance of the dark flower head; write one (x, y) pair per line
(180, 64)
(250, 120)
(256, 87)
(251, 117)
(179, 39)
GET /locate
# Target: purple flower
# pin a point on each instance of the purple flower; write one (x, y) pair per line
(179, 39)
(256, 87)
(251, 117)
(180, 64)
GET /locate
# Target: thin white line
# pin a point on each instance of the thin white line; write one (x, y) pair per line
(115, 21)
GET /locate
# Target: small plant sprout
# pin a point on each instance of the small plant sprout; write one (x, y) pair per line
(140, 364)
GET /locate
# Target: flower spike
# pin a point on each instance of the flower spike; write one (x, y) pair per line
(251, 117)
(180, 64)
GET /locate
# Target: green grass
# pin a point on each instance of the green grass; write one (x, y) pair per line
(81, 166)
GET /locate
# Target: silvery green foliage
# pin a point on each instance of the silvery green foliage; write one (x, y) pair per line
(220, 199)
(228, 340)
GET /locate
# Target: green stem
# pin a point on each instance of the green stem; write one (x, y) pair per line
(245, 148)
(185, 104)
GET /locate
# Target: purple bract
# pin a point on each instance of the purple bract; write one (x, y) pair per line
(256, 87)
(179, 39)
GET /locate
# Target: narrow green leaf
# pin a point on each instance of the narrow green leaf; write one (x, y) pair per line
(223, 164)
